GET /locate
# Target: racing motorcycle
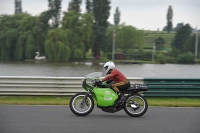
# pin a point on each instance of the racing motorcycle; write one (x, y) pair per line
(82, 103)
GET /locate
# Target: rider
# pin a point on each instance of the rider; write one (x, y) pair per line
(120, 81)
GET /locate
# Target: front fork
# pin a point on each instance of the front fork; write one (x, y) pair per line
(85, 97)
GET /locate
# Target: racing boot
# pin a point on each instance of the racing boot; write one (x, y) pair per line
(120, 99)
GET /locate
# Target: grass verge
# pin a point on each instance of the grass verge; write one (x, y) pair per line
(61, 100)
(174, 102)
(34, 100)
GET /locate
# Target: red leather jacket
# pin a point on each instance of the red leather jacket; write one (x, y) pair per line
(115, 75)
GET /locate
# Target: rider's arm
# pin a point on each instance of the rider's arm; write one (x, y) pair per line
(110, 76)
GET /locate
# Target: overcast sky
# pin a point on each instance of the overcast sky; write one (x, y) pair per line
(142, 14)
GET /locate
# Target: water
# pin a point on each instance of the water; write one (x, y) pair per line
(79, 69)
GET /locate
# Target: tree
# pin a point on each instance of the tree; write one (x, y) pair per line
(27, 38)
(127, 38)
(42, 30)
(55, 9)
(75, 5)
(117, 16)
(78, 28)
(101, 11)
(22, 35)
(189, 45)
(159, 43)
(57, 46)
(9, 35)
(169, 19)
(18, 6)
(30, 47)
(181, 37)
(89, 6)
(179, 25)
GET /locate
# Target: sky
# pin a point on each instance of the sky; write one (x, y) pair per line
(142, 14)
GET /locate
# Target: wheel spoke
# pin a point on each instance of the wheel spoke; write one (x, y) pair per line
(135, 104)
(80, 105)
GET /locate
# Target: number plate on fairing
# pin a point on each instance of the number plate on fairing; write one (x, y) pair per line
(105, 96)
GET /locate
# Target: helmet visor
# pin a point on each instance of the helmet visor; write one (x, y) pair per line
(105, 68)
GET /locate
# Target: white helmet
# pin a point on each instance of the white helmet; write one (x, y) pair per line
(108, 66)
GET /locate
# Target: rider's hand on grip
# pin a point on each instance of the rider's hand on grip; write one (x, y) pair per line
(98, 82)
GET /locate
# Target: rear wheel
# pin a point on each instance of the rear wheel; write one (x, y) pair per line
(136, 105)
(81, 107)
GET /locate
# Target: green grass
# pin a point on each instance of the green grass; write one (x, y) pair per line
(174, 102)
(151, 36)
(34, 100)
(62, 100)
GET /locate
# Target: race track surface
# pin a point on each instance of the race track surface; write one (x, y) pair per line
(59, 119)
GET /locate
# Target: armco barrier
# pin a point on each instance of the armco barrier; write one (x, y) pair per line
(22, 85)
(26, 85)
(178, 87)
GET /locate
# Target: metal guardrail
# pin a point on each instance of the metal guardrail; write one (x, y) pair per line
(178, 87)
(27, 86)
(33, 86)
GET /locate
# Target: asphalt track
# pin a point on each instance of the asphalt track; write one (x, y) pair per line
(59, 119)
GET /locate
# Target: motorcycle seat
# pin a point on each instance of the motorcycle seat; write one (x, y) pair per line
(138, 87)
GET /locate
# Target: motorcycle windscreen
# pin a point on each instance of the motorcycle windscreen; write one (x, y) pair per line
(105, 96)
(93, 75)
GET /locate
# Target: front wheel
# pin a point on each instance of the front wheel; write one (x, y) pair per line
(80, 106)
(136, 105)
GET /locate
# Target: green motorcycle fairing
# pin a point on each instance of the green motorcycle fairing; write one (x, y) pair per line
(105, 96)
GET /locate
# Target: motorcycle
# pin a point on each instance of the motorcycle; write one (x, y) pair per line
(82, 104)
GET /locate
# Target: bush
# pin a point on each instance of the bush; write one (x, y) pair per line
(186, 58)
(109, 56)
(162, 59)
(171, 60)
(78, 54)
(147, 55)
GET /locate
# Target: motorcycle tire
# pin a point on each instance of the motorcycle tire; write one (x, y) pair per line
(80, 107)
(136, 105)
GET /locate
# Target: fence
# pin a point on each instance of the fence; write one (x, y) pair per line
(26, 85)
(172, 87)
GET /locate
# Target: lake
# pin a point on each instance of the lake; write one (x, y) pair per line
(79, 69)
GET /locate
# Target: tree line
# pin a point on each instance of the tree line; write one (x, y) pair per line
(69, 38)
(21, 34)
(183, 47)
